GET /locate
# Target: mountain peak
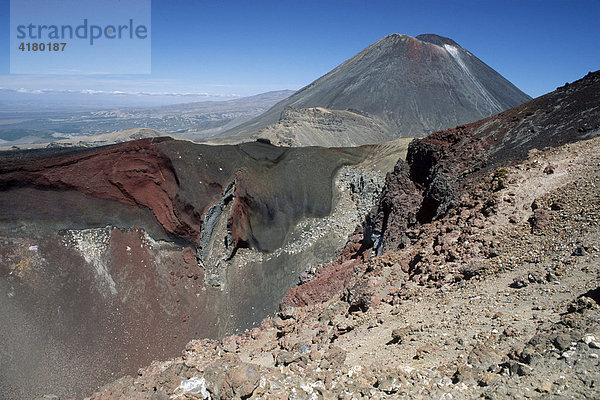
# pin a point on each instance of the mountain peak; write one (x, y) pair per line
(436, 39)
(412, 86)
(395, 36)
(426, 37)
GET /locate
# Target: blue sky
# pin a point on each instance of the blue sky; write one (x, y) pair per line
(226, 47)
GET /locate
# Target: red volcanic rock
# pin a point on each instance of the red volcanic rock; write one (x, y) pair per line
(135, 173)
(353, 247)
(238, 218)
(332, 279)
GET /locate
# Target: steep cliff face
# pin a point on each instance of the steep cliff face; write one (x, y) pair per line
(445, 163)
(387, 225)
(442, 166)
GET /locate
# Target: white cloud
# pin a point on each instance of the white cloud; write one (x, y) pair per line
(117, 92)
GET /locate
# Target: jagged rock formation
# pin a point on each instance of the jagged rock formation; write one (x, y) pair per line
(408, 87)
(444, 165)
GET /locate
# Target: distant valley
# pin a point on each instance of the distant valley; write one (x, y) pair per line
(188, 120)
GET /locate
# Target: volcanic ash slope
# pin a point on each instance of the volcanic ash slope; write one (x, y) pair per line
(400, 86)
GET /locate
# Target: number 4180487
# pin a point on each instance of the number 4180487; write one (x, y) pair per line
(42, 46)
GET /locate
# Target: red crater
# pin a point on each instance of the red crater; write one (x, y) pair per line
(134, 173)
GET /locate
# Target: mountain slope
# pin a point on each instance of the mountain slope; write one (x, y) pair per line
(414, 85)
(318, 126)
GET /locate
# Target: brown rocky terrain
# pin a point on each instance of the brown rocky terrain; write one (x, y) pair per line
(477, 275)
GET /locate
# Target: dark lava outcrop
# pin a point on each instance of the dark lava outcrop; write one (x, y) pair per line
(444, 165)
(408, 86)
(386, 226)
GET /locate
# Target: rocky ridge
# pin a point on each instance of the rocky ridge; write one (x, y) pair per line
(442, 166)
(134, 173)
(318, 126)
